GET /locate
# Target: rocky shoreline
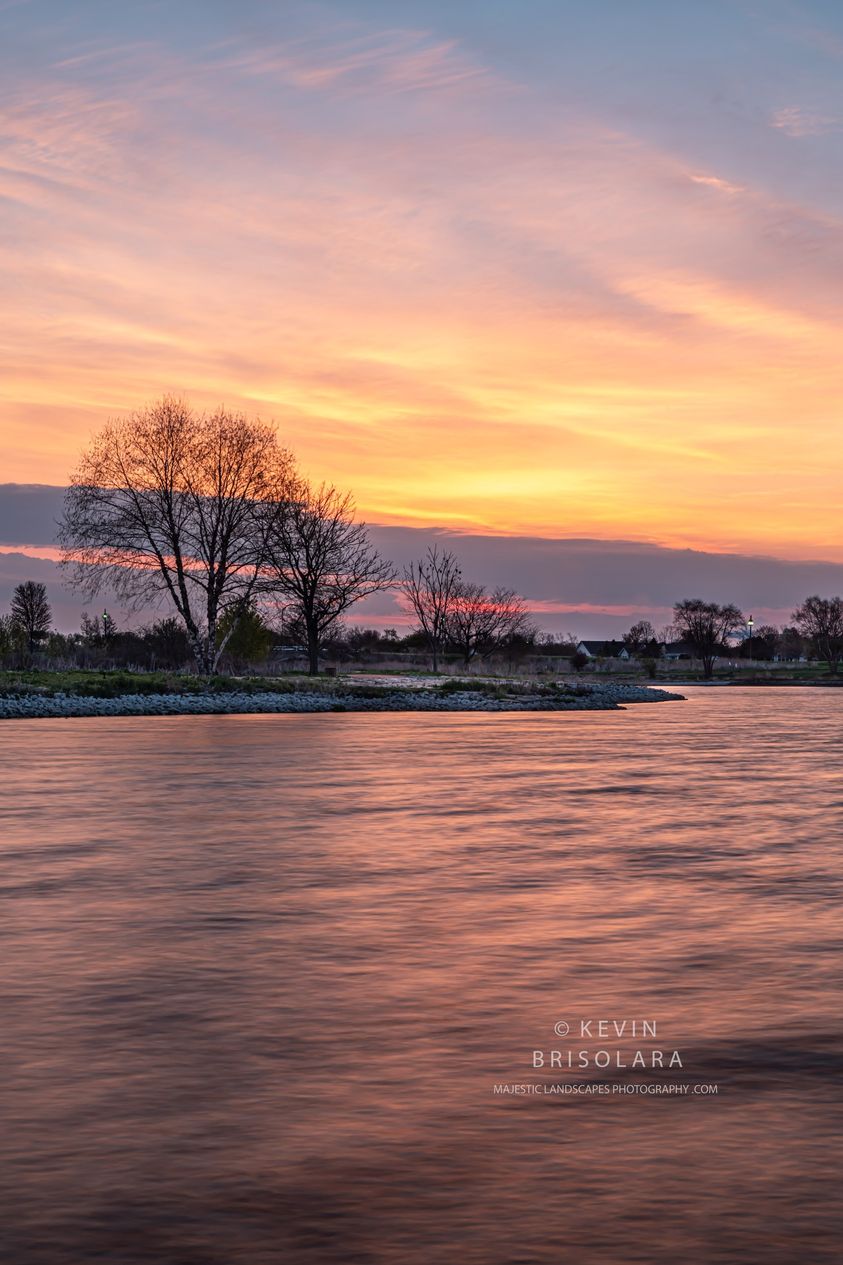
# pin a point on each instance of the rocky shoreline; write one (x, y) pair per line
(606, 697)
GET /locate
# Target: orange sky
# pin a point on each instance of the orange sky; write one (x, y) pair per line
(477, 298)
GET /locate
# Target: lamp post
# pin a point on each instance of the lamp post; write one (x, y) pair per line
(749, 624)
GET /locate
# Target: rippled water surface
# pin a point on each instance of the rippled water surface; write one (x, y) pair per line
(261, 974)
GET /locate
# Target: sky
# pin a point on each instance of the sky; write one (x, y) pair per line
(540, 270)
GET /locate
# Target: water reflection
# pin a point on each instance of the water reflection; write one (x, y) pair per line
(260, 974)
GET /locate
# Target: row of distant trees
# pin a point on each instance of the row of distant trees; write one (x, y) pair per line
(209, 514)
(707, 628)
(164, 643)
(471, 626)
(767, 641)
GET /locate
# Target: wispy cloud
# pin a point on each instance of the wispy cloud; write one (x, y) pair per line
(382, 63)
(715, 182)
(65, 134)
(796, 121)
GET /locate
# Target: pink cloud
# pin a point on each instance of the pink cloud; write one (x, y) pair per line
(374, 63)
(796, 121)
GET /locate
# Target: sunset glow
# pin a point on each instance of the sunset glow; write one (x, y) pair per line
(421, 631)
(481, 298)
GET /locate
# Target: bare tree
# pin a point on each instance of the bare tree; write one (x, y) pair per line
(30, 613)
(172, 504)
(469, 621)
(820, 619)
(430, 587)
(706, 626)
(514, 622)
(639, 636)
(480, 623)
(321, 562)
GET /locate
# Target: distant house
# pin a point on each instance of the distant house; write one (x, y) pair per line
(677, 650)
(603, 649)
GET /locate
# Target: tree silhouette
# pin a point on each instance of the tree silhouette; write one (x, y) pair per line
(320, 562)
(30, 613)
(821, 620)
(706, 626)
(430, 586)
(173, 504)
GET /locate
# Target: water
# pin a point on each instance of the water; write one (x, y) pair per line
(260, 976)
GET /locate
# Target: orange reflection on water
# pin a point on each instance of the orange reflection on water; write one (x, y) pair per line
(260, 975)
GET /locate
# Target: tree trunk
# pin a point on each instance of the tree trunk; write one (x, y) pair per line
(204, 653)
(198, 657)
(211, 658)
(708, 668)
(435, 651)
(312, 652)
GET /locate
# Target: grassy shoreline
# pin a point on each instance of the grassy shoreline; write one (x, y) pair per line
(79, 693)
(118, 682)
